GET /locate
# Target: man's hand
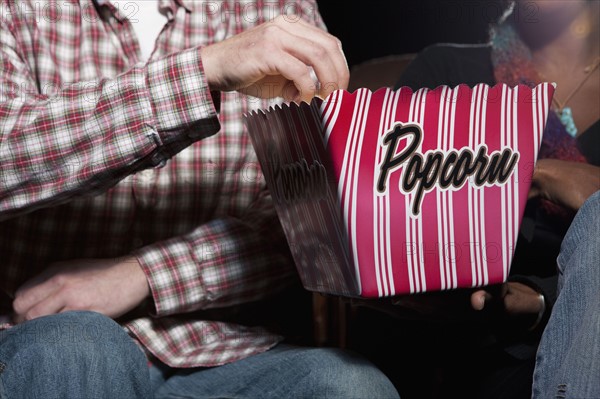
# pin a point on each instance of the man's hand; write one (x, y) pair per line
(565, 183)
(276, 59)
(518, 299)
(111, 287)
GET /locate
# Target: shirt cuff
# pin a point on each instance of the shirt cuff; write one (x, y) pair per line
(180, 96)
(173, 275)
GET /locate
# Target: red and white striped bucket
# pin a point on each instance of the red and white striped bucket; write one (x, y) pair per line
(398, 192)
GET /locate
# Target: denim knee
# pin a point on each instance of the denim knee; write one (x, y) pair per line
(333, 373)
(581, 239)
(72, 354)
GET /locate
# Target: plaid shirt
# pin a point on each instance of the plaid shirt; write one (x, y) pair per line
(103, 156)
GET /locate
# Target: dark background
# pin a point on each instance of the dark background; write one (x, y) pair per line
(376, 28)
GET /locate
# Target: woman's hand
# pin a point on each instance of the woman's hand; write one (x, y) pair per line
(517, 299)
(521, 307)
(564, 183)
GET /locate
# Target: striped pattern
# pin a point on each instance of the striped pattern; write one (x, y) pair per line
(315, 231)
(463, 236)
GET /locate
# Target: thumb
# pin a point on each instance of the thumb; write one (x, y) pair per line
(479, 298)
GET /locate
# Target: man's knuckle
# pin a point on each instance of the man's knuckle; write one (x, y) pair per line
(269, 47)
(345, 74)
(271, 31)
(18, 305)
(319, 52)
(58, 280)
(280, 19)
(332, 43)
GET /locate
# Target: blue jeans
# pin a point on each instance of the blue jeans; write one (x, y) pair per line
(282, 372)
(71, 355)
(86, 355)
(568, 358)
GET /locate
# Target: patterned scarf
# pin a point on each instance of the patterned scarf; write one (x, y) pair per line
(513, 65)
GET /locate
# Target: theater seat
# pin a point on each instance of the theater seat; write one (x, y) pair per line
(379, 72)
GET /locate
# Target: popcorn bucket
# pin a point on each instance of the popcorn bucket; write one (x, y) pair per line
(397, 192)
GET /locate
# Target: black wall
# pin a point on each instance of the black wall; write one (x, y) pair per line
(375, 28)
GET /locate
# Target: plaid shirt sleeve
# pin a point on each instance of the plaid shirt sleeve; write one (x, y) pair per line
(209, 238)
(225, 262)
(88, 136)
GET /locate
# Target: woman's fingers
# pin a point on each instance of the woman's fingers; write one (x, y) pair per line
(479, 298)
